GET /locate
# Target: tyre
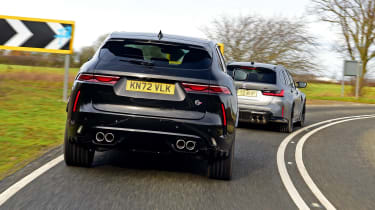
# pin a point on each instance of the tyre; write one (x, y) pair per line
(301, 123)
(77, 155)
(222, 168)
(288, 128)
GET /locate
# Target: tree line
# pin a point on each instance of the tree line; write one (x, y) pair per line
(277, 40)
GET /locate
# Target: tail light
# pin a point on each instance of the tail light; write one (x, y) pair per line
(206, 88)
(76, 101)
(224, 115)
(278, 93)
(98, 78)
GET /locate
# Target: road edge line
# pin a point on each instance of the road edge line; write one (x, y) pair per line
(281, 166)
(302, 169)
(13, 189)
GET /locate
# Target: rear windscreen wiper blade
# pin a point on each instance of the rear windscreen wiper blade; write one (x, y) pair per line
(138, 61)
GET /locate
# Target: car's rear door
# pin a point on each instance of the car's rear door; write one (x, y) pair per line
(296, 96)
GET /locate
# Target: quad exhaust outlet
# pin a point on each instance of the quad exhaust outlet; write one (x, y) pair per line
(107, 137)
(180, 144)
(188, 145)
(99, 136)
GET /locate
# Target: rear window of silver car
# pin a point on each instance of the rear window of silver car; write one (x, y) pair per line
(258, 74)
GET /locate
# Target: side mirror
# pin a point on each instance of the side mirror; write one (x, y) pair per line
(301, 84)
(240, 75)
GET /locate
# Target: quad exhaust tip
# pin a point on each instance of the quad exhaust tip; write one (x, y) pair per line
(180, 144)
(99, 136)
(190, 145)
(108, 137)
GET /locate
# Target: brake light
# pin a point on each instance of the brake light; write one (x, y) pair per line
(278, 93)
(247, 68)
(206, 88)
(76, 101)
(98, 78)
(219, 89)
(194, 87)
(224, 115)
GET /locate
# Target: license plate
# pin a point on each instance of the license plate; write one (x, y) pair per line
(150, 87)
(248, 93)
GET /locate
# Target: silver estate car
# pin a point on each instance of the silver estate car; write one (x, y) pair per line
(267, 93)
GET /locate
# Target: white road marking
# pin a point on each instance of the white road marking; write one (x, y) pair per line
(316, 205)
(302, 169)
(8, 193)
(284, 175)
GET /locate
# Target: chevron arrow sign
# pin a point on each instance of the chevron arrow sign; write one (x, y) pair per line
(39, 35)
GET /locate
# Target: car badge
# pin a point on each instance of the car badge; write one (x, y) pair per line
(198, 102)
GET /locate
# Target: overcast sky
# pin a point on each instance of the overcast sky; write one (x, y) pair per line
(96, 17)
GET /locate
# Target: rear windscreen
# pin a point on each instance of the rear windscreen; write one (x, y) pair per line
(158, 54)
(261, 75)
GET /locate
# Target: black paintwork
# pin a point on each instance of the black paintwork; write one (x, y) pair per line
(153, 122)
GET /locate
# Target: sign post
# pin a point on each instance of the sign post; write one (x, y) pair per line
(66, 78)
(38, 35)
(351, 68)
(343, 82)
(357, 81)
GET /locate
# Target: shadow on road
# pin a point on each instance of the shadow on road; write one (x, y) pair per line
(271, 127)
(145, 162)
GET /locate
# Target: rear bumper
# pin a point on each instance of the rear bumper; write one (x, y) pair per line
(150, 134)
(261, 114)
(259, 117)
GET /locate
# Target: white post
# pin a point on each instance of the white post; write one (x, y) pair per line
(357, 82)
(343, 82)
(66, 78)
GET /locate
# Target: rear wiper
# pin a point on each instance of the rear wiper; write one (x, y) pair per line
(138, 61)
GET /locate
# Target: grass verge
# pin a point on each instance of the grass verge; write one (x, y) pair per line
(332, 92)
(32, 114)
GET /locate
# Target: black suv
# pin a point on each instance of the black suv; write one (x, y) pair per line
(154, 93)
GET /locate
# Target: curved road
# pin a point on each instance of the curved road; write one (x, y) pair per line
(340, 160)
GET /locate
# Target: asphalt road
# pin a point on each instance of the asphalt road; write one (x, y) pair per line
(340, 159)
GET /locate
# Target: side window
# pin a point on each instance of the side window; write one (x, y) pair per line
(285, 78)
(291, 80)
(221, 60)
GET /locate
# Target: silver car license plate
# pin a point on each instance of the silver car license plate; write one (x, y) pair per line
(248, 93)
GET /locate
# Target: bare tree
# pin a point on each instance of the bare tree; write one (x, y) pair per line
(98, 42)
(88, 51)
(356, 21)
(85, 54)
(268, 40)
